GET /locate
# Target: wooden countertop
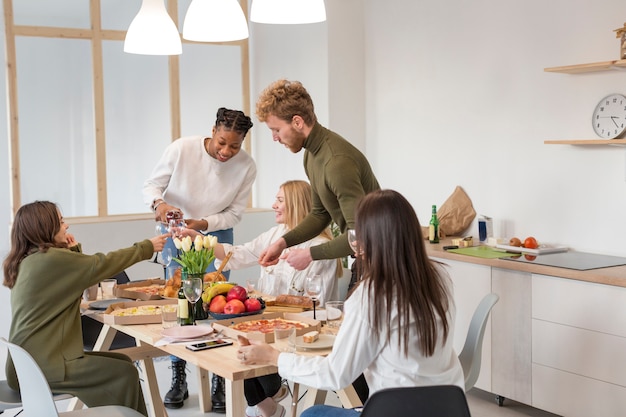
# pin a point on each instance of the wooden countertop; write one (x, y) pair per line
(615, 276)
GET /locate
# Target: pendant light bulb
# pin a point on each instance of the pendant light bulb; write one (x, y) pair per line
(152, 31)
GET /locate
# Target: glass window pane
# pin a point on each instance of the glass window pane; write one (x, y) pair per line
(56, 127)
(66, 13)
(137, 123)
(117, 14)
(210, 79)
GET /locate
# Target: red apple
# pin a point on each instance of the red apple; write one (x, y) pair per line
(217, 304)
(252, 304)
(234, 306)
(237, 293)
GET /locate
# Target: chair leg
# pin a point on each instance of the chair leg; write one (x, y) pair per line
(294, 399)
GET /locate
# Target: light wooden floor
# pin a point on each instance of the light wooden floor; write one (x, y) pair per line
(482, 404)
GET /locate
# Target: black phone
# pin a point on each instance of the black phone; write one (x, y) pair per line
(209, 345)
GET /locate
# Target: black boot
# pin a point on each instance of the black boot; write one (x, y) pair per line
(218, 396)
(178, 392)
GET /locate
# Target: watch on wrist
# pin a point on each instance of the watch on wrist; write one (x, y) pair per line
(156, 204)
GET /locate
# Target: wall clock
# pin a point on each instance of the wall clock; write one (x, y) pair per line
(609, 117)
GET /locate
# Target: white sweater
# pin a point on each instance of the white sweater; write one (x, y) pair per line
(282, 278)
(187, 177)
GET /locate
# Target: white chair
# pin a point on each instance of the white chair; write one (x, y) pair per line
(11, 399)
(471, 353)
(37, 399)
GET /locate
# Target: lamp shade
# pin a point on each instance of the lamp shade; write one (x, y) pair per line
(152, 31)
(287, 11)
(215, 21)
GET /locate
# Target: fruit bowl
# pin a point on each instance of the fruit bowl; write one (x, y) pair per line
(221, 316)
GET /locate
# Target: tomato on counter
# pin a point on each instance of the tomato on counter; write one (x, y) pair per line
(531, 243)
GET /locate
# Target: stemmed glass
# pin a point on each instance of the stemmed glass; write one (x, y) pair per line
(192, 288)
(313, 288)
(166, 257)
(353, 241)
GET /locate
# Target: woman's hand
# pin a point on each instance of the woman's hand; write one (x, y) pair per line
(270, 255)
(71, 241)
(158, 242)
(196, 224)
(258, 353)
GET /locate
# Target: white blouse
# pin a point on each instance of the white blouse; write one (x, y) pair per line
(358, 350)
(282, 278)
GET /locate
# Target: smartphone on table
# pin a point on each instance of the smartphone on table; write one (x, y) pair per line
(209, 345)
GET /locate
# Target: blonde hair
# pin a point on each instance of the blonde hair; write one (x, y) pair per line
(298, 204)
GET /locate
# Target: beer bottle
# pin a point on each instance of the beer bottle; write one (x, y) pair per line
(433, 229)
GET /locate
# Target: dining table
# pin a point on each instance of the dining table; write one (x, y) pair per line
(222, 361)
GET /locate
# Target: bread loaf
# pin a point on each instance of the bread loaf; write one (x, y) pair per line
(310, 337)
(293, 301)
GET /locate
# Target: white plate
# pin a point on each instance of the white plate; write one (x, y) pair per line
(324, 342)
(543, 249)
(319, 314)
(186, 332)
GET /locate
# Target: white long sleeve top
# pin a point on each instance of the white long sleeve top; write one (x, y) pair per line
(204, 188)
(358, 350)
(282, 278)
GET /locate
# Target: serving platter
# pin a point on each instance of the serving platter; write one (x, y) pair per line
(541, 250)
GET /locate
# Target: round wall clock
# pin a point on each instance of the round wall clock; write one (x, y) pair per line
(609, 117)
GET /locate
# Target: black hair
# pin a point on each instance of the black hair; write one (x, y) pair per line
(233, 120)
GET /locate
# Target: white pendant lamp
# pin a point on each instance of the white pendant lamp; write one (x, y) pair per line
(215, 21)
(152, 31)
(287, 11)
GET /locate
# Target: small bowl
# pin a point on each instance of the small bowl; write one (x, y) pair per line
(219, 316)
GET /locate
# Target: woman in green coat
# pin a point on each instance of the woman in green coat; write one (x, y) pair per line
(47, 274)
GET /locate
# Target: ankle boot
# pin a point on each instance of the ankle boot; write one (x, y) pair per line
(178, 392)
(218, 396)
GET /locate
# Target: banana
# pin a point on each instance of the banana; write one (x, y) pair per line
(216, 289)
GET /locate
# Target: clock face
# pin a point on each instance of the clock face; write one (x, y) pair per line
(609, 116)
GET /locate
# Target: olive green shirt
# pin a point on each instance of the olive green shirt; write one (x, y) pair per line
(339, 175)
(45, 302)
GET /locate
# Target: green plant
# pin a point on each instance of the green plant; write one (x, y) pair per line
(195, 257)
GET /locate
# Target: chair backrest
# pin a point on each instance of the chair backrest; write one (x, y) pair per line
(34, 389)
(427, 401)
(470, 356)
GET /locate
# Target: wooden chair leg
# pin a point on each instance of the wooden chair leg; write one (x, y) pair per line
(294, 399)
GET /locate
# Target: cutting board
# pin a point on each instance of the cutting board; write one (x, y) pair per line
(482, 252)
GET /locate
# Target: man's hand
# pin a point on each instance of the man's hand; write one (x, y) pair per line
(196, 224)
(161, 211)
(270, 255)
(298, 258)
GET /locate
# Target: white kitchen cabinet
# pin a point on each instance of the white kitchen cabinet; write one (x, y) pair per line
(578, 347)
(471, 283)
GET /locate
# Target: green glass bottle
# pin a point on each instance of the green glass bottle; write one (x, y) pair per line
(185, 317)
(433, 229)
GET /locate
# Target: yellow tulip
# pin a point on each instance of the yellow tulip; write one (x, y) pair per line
(197, 243)
(186, 244)
(210, 241)
(177, 243)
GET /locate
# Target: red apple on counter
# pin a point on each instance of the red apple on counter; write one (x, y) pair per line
(234, 306)
(237, 293)
(217, 304)
(252, 304)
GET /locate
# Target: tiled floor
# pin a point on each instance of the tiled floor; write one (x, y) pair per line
(482, 404)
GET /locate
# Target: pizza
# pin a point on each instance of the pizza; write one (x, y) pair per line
(267, 325)
(145, 310)
(154, 289)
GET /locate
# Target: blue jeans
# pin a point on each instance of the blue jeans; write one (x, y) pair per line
(223, 236)
(329, 411)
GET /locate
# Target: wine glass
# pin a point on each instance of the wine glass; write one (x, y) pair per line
(192, 288)
(166, 257)
(313, 288)
(352, 240)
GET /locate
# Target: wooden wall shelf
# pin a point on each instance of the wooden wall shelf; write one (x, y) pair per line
(619, 65)
(591, 142)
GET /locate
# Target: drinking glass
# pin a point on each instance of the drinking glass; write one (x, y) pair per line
(166, 257)
(313, 288)
(192, 288)
(352, 240)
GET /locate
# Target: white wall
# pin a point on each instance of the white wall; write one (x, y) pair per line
(457, 95)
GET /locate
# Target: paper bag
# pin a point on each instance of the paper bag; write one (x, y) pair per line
(456, 214)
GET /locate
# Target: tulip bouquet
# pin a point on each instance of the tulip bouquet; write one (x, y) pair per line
(195, 256)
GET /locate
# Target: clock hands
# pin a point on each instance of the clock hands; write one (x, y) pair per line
(613, 118)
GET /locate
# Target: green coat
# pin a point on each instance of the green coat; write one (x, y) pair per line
(339, 175)
(45, 306)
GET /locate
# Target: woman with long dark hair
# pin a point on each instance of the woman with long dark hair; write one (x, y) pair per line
(398, 322)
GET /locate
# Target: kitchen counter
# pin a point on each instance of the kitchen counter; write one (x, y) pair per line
(609, 276)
